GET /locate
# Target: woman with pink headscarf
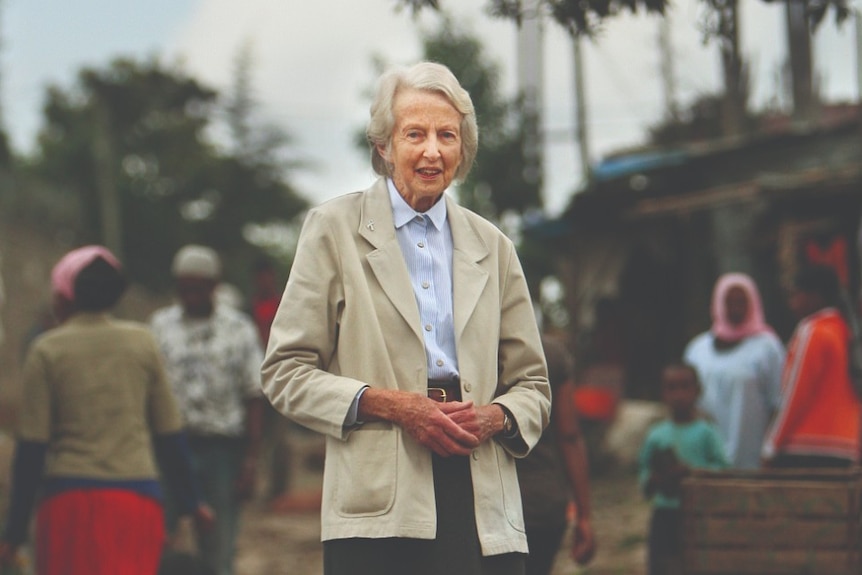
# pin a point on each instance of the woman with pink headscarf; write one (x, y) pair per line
(739, 361)
(96, 413)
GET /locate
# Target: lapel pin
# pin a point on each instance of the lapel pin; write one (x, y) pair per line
(370, 225)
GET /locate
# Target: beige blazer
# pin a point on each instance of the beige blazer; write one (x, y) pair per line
(348, 318)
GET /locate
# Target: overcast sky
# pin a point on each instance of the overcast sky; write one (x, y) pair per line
(312, 63)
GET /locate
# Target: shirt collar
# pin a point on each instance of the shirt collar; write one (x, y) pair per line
(402, 213)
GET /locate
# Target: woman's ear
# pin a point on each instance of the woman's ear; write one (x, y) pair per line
(383, 152)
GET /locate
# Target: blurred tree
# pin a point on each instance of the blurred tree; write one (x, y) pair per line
(129, 142)
(499, 182)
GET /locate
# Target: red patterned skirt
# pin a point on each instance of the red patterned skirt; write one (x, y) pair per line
(99, 532)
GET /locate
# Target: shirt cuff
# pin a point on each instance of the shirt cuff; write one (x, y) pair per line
(352, 417)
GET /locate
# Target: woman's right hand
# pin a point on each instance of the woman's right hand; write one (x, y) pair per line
(429, 423)
(425, 420)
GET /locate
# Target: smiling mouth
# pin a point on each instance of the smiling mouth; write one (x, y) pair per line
(429, 172)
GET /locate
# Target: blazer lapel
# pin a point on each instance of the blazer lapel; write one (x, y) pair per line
(468, 277)
(386, 260)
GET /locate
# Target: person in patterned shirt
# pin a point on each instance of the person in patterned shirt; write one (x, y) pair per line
(213, 354)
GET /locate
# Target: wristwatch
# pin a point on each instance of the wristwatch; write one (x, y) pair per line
(508, 423)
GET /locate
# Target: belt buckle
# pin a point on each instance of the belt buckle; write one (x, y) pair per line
(443, 395)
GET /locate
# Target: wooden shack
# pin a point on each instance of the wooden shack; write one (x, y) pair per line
(638, 252)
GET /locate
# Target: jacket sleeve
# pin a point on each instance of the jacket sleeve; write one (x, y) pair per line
(304, 336)
(523, 370)
(27, 472)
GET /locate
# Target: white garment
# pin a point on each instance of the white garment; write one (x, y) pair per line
(213, 365)
(741, 390)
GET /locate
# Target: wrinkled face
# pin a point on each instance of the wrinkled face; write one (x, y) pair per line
(736, 305)
(425, 151)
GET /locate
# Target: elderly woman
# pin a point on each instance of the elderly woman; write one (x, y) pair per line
(739, 361)
(96, 411)
(406, 335)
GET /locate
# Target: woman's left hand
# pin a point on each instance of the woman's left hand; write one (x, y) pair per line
(483, 421)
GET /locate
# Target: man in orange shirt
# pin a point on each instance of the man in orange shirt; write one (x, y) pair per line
(817, 424)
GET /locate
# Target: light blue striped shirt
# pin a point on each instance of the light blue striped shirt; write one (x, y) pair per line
(426, 243)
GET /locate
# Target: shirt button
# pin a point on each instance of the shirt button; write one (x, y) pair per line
(421, 244)
(427, 327)
(426, 285)
(439, 363)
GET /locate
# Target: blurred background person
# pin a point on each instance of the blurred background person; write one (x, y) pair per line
(739, 361)
(817, 424)
(556, 472)
(213, 356)
(97, 410)
(672, 449)
(265, 297)
(406, 336)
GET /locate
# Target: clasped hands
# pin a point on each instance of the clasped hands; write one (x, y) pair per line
(451, 428)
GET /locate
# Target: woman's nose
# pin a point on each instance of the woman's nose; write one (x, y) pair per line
(432, 150)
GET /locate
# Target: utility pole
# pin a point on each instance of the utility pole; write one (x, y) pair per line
(857, 14)
(581, 133)
(106, 182)
(801, 69)
(530, 82)
(667, 72)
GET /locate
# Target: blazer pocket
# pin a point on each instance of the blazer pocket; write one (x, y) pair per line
(366, 470)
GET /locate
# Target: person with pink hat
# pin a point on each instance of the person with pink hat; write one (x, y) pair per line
(96, 414)
(739, 361)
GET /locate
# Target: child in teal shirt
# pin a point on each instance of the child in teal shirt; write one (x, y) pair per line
(673, 447)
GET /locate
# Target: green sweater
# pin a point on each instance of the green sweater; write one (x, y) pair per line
(696, 444)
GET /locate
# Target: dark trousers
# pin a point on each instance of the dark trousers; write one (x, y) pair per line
(544, 545)
(665, 542)
(455, 551)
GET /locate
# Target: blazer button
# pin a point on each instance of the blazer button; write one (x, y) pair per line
(468, 388)
(475, 455)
